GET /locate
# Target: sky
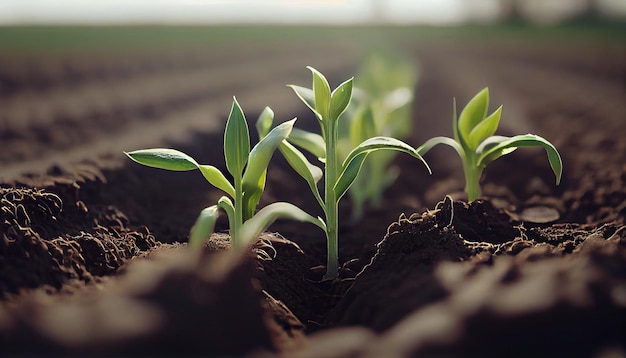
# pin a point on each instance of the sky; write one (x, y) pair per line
(256, 11)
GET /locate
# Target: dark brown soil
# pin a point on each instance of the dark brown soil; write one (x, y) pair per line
(93, 260)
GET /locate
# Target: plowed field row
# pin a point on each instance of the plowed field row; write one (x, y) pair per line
(128, 105)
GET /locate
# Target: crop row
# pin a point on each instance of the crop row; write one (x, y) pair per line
(71, 116)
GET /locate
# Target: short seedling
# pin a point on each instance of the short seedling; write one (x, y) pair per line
(477, 146)
(248, 169)
(338, 177)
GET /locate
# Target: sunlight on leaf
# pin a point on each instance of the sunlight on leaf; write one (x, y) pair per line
(254, 176)
(236, 141)
(473, 113)
(217, 179)
(527, 140)
(264, 122)
(349, 174)
(162, 158)
(311, 142)
(321, 91)
(486, 128)
(340, 99)
(303, 167)
(203, 227)
(429, 144)
(252, 228)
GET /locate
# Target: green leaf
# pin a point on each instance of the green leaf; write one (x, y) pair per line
(264, 123)
(340, 99)
(254, 176)
(455, 126)
(307, 96)
(303, 167)
(311, 142)
(227, 205)
(252, 228)
(383, 143)
(484, 129)
(349, 174)
(203, 227)
(526, 140)
(236, 141)
(217, 179)
(473, 113)
(358, 154)
(490, 142)
(168, 159)
(429, 144)
(321, 90)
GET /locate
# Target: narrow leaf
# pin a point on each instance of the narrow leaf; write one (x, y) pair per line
(203, 227)
(383, 143)
(490, 142)
(254, 176)
(340, 99)
(429, 144)
(358, 155)
(455, 126)
(227, 205)
(307, 96)
(236, 141)
(473, 113)
(252, 228)
(526, 140)
(217, 179)
(168, 159)
(321, 91)
(349, 174)
(264, 123)
(311, 142)
(484, 129)
(303, 167)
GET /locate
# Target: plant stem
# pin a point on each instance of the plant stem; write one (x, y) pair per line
(237, 223)
(472, 179)
(330, 200)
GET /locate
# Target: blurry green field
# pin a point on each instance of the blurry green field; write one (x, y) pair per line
(85, 38)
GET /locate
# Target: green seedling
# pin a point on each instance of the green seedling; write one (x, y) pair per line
(380, 107)
(248, 169)
(338, 175)
(476, 144)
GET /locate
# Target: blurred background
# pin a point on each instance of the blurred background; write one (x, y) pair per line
(434, 12)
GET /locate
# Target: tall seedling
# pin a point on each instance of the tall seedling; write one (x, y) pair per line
(248, 169)
(338, 175)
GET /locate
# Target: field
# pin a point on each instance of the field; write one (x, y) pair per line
(93, 259)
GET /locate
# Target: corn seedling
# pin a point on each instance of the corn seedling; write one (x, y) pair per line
(476, 144)
(248, 169)
(338, 175)
(380, 107)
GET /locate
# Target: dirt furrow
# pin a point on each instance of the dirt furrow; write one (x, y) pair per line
(135, 113)
(26, 72)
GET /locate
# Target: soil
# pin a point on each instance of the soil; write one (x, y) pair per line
(93, 259)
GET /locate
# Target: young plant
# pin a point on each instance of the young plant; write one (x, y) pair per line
(380, 106)
(338, 175)
(248, 169)
(476, 144)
